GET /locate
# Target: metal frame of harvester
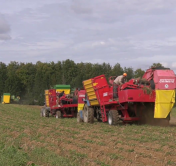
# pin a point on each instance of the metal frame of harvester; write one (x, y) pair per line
(147, 100)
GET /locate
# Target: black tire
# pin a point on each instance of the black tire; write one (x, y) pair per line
(41, 112)
(88, 114)
(113, 117)
(45, 112)
(58, 114)
(98, 115)
(79, 120)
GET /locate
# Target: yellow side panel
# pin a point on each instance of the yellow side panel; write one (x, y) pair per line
(94, 102)
(80, 107)
(47, 97)
(164, 103)
(87, 82)
(66, 91)
(92, 97)
(90, 92)
(88, 86)
(47, 100)
(6, 99)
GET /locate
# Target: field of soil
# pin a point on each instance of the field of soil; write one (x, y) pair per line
(28, 139)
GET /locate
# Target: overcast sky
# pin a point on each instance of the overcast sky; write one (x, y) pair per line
(134, 33)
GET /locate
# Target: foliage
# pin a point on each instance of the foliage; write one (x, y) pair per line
(130, 72)
(157, 65)
(29, 80)
(147, 90)
(138, 73)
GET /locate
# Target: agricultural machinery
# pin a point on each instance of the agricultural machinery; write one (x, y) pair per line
(7, 98)
(60, 103)
(147, 100)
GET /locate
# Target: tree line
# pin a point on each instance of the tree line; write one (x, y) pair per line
(29, 80)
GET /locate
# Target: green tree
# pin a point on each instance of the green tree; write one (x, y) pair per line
(69, 72)
(3, 77)
(130, 73)
(106, 67)
(26, 74)
(30, 80)
(157, 65)
(41, 82)
(13, 84)
(117, 70)
(138, 73)
(97, 69)
(80, 75)
(58, 73)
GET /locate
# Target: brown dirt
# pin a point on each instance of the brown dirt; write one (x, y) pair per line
(173, 121)
(113, 145)
(126, 154)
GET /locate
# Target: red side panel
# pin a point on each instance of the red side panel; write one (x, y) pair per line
(148, 75)
(81, 96)
(102, 89)
(135, 95)
(105, 94)
(52, 97)
(99, 81)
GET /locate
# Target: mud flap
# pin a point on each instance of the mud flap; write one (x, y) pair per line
(164, 102)
(80, 107)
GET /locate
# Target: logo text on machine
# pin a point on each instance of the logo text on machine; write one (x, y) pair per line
(166, 80)
(81, 95)
(105, 94)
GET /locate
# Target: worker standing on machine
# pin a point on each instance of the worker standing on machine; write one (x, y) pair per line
(118, 82)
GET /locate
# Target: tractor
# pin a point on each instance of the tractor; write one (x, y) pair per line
(60, 103)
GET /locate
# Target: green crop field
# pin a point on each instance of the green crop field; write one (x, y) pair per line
(28, 139)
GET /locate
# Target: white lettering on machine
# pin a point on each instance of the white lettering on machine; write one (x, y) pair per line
(166, 80)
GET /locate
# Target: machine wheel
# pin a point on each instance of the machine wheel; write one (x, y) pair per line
(58, 114)
(45, 112)
(41, 112)
(88, 114)
(79, 120)
(98, 115)
(113, 117)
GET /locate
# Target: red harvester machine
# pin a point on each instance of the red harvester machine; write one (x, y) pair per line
(147, 100)
(61, 104)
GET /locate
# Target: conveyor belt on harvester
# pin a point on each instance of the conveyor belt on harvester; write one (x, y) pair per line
(88, 85)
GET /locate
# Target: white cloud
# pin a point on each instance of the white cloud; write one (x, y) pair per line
(165, 64)
(4, 29)
(173, 65)
(133, 33)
